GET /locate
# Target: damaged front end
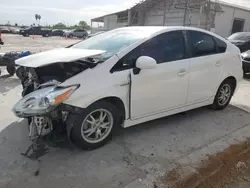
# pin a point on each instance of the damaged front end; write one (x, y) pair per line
(43, 107)
(41, 75)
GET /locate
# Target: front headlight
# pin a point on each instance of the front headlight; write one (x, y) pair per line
(42, 101)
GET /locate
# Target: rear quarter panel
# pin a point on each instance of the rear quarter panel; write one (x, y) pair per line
(232, 64)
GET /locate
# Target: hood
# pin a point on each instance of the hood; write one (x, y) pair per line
(55, 56)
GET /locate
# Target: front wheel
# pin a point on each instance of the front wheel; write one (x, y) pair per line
(94, 127)
(223, 95)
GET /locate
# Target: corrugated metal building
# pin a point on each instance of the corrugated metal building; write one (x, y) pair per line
(218, 16)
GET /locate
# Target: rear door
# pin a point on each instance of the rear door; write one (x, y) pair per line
(206, 66)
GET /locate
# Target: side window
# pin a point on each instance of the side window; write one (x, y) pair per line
(163, 48)
(201, 44)
(221, 45)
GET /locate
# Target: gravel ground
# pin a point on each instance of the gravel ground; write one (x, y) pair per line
(20, 43)
(132, 159)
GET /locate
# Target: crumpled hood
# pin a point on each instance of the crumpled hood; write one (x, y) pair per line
(55, 56)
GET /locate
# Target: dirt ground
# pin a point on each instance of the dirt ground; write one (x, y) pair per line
(227, 169)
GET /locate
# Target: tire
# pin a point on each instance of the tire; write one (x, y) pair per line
(11, 70)
(219, 102)
(112, 116)
(20, 72)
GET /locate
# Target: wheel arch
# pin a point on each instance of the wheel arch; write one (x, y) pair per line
(116, 101)
(230, 78)
(233, 80)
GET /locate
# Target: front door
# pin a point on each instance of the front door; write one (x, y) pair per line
(164, 87)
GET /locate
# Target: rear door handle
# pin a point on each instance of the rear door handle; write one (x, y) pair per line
(182, 72)
(217, 64)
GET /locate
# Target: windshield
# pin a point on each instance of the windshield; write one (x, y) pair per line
(240, 36)
(111, 42)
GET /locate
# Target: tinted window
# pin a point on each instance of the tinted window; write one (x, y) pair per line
(201, 44)
(221, 46)
(163, 48)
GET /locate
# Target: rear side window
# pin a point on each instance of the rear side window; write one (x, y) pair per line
(201, 44)
(221, 45)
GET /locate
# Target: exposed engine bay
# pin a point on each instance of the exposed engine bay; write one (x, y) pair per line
(31, 78)
(50, 76)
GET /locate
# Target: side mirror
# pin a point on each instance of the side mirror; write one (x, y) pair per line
(145, 62)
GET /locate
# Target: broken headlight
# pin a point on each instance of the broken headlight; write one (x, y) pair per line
(42, 101)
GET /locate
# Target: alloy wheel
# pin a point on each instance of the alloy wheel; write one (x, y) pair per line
(97, 126)
(224, 94)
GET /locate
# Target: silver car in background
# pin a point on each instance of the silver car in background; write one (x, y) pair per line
(78, 33)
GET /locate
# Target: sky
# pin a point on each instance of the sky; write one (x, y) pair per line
(66, 11)
(54, 11)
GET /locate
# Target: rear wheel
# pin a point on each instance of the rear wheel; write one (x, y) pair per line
(11, 70)
(95, 126)
(224, 95)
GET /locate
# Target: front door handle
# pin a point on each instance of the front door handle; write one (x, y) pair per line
(217, 64)
(182, 72)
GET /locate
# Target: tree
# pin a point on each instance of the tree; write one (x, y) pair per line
(39, 17)
(36, 17)
(83, 23)
(59, 25)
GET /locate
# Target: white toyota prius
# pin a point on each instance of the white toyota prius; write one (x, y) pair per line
(125, 77)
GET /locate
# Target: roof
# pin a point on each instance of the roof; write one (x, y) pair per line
(145, 4)
(241, 4)
(101, 18)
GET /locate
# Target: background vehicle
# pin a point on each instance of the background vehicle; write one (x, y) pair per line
(241, 40)
(79, 33)
(5, 30)
(57, 32)
(125, 77)
(8, 60)
(246, 62)
(15, 30)
(35, 31)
